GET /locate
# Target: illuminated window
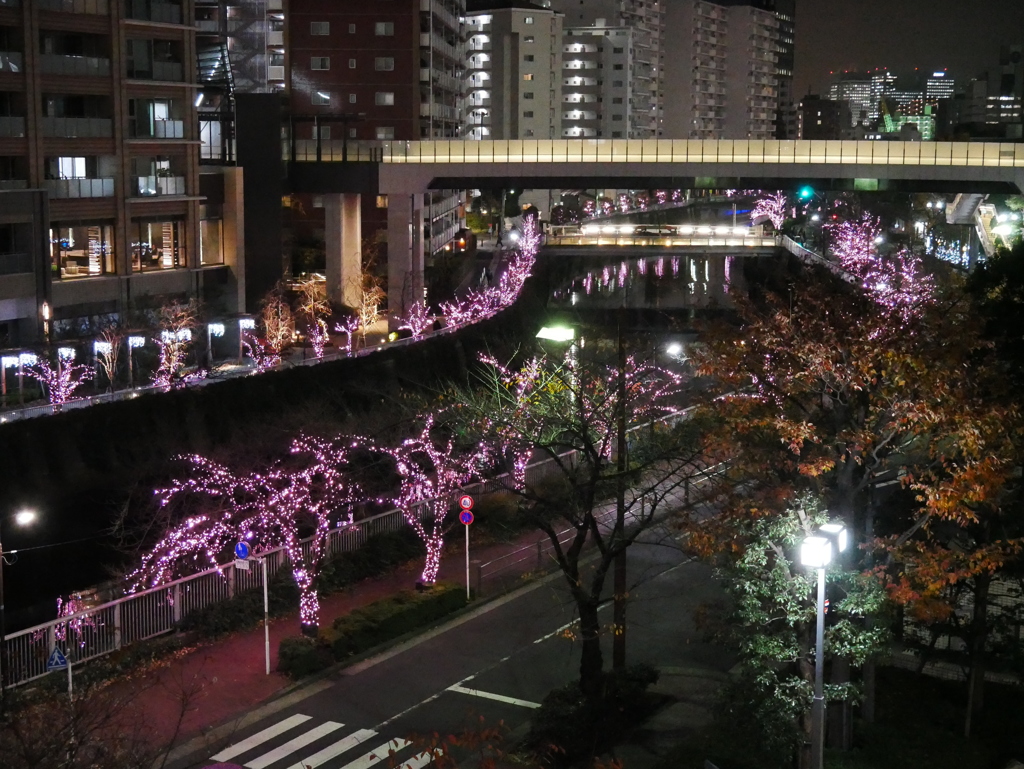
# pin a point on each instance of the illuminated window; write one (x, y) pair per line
(385, 28)
(81, 251)
(157, 245)
(384, 99)
(528, 77)
(320, 99)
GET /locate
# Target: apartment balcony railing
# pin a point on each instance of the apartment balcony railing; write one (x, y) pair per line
(275, 37)
(78, 127)
(275, 72)
(14, 264)
(150, 10)
(101, 7)
(208, 25)
(441, 12)
(10, 61)
(57, 64)
(442, 111)
(12, 127)
(80, 188)
(168, 129)
(13, 184)
(149, 186)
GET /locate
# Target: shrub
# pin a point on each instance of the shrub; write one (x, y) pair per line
(568, 728)
(299, 656)
(498, 514)
(390, 618)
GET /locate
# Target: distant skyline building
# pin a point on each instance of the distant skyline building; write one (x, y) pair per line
(856, 90)
(939, 86)
(823, 118)
(994, 101)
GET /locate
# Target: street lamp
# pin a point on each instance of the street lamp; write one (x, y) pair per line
(816, 553)
(21, 518)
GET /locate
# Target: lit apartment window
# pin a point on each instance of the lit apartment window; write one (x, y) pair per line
(528, 39)
(320, 62)
(321, 99)
(320, 28)
(382, 201)
(318, 201)
(384, 63)
(385, 132)
(528, 20)
(384, 28)
(528, 77)
(385, 99)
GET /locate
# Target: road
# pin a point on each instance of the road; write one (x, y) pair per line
(498, 665)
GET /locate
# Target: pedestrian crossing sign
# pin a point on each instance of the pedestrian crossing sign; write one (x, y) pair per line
(56, 661)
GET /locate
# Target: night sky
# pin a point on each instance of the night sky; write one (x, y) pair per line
(961, 35)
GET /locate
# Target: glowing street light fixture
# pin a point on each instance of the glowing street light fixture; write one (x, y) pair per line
(24, 517)
(134, 343)
(816, 553)
(212, 330)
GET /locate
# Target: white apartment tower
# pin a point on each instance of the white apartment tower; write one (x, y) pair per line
(513, 73)
(598, 93)
(726, 68)
(645, 22)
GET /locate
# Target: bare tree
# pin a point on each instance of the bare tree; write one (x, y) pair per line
(108, 352)
(174, 337)
(277, 322)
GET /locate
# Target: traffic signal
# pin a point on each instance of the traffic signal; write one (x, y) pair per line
(806, 193)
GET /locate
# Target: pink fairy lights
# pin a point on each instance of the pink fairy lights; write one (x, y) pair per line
(60, 380)
(773, 207)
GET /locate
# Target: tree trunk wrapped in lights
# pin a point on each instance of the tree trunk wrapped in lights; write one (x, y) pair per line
(62, 379)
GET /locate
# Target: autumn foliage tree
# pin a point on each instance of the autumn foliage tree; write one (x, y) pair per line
(836, 387)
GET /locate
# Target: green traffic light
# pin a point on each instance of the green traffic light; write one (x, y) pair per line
(806, 193)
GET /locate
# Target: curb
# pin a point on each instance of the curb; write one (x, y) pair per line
(193, 751)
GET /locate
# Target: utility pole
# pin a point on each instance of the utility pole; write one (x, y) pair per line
(619, 605)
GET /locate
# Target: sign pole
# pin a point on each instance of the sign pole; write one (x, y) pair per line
(70, 689)
(266, 616)
(467, 563)
(466, 518)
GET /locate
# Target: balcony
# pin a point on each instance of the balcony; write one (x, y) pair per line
(80, 188)
(275, 72)
(15, 264)
(152, 10)
(98, 7)
(78, 127)
(168, 129)
(150, 186)
(56, 64)
(275, 37)
(10, 61)
(13, 184)
(12, 127)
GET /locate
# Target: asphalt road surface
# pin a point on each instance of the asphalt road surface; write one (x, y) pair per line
(498, 666)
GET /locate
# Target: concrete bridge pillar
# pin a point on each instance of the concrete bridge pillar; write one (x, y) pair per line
(343, 238)
(405, 253)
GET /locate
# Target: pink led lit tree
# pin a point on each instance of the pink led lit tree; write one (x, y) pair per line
(173, 339)
(568, 412)
(348, 327)
(61, 379)
(302, 497)
(774, 207)
(419, 320)
(432, 471)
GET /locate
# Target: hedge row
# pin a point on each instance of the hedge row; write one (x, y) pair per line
(367, 627)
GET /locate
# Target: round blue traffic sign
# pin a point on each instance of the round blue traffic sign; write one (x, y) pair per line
(241, 551)
(466, 517)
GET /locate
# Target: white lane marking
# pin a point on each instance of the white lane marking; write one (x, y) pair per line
(490, 696)
(378, 754)
(336, 749)
(260, 737)
(292, 745)
(418, 761)
(555, 632)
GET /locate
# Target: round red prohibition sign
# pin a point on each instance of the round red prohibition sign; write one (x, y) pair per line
(466, 502)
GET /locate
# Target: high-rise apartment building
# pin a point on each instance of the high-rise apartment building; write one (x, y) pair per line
(994, 103)
(786, 120)
(724, 71)
(514, 70)
(597, 90)
(645, 22)
(824, 118)
(97, 108)
(939, 86)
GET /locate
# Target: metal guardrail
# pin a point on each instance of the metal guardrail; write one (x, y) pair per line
(100, 630)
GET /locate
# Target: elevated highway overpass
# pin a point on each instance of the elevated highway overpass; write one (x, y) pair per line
(404, 171)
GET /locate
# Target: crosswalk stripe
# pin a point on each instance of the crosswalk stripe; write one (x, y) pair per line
(336, 749)
(260, 737)
(378, 754)
(292, 745)
(419, 761)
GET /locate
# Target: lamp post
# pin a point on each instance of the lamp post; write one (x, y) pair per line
(212, 330)
(21, 518)
(134, 342)
(816, 553)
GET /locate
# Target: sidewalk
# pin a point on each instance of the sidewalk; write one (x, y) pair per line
(221, 680)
